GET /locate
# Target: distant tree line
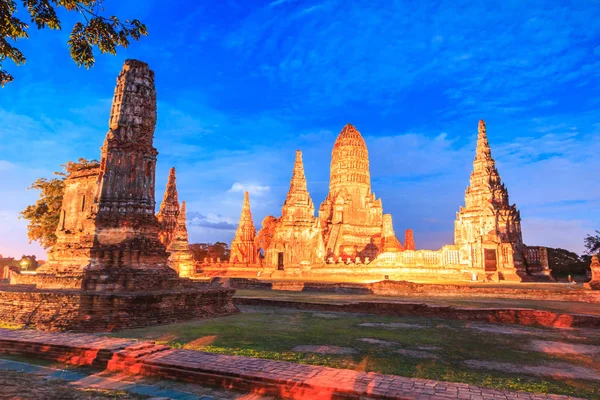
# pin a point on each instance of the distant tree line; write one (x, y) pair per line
(27, 263)
(563, 262)
(207, 250)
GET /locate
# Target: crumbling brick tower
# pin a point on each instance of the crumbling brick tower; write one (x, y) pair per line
(107, 219)
(169, 210)
(108, 253)
(126, 227)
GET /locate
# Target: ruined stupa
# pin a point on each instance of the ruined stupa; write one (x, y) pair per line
(108, 252)
(169, 210)
(243, 249)
(295, 237)
(351, 217)
(488, 228)
(181, 258)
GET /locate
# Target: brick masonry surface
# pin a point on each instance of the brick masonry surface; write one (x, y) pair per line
(520, 316)
(54, 310)
(287, 380)
(405, 288)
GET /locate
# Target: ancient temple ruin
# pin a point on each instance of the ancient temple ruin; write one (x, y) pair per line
(488, 229)
(295, 237)
(173, 230)
(181, 258)
(108, 251)
(351, 217)
(353, 237)
(169, 210)
(243, 249)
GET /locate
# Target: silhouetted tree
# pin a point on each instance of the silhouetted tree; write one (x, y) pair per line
(592, 243)
(95, 30)
(564, 262)
(204, 250)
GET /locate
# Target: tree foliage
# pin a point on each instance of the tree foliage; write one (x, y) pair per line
(592, 243)
(94, 31)
(43, 216)
(204, 250)
(564, 262)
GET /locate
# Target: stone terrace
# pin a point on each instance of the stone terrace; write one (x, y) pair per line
(247, 374)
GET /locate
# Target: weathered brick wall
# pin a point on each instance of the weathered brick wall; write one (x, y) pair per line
(96, 312)
(46, 281)
(403, 288)
(520, 316)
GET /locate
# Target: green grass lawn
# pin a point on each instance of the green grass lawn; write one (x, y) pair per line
(272, 333)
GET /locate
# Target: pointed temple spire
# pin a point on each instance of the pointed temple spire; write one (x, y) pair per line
(298, 206)
(483, 152)
(488, 222)
(181, 258)
(485, 183)
(409, 240)
(298, 183)
(243, 249)
(169, 210)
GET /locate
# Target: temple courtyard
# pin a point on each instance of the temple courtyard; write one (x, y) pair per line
(513, 356)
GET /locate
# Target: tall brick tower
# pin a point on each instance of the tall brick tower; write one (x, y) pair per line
(169, 210)
(298, 207)
(296, 235)
(181, 258)
(107, 219)
(488, 228)
(243, 249)
(127, 231)
(351, 216)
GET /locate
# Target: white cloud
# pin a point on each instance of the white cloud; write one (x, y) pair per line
(254, 189)
(211, 220)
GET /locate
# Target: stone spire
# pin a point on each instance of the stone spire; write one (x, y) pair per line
(128, 152)
(298, 207)
(181, 258)
(488, 228)
(485, 186)
(409, 241)
(243, 249)
(169, 210)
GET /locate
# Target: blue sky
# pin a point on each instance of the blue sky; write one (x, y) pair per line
(243, 84)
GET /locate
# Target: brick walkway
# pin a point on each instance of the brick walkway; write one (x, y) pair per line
(278, 378)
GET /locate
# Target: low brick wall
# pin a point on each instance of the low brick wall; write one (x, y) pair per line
(520, 316)
(408, 289)
(45, 281)
(403, 288)
(56, 310)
